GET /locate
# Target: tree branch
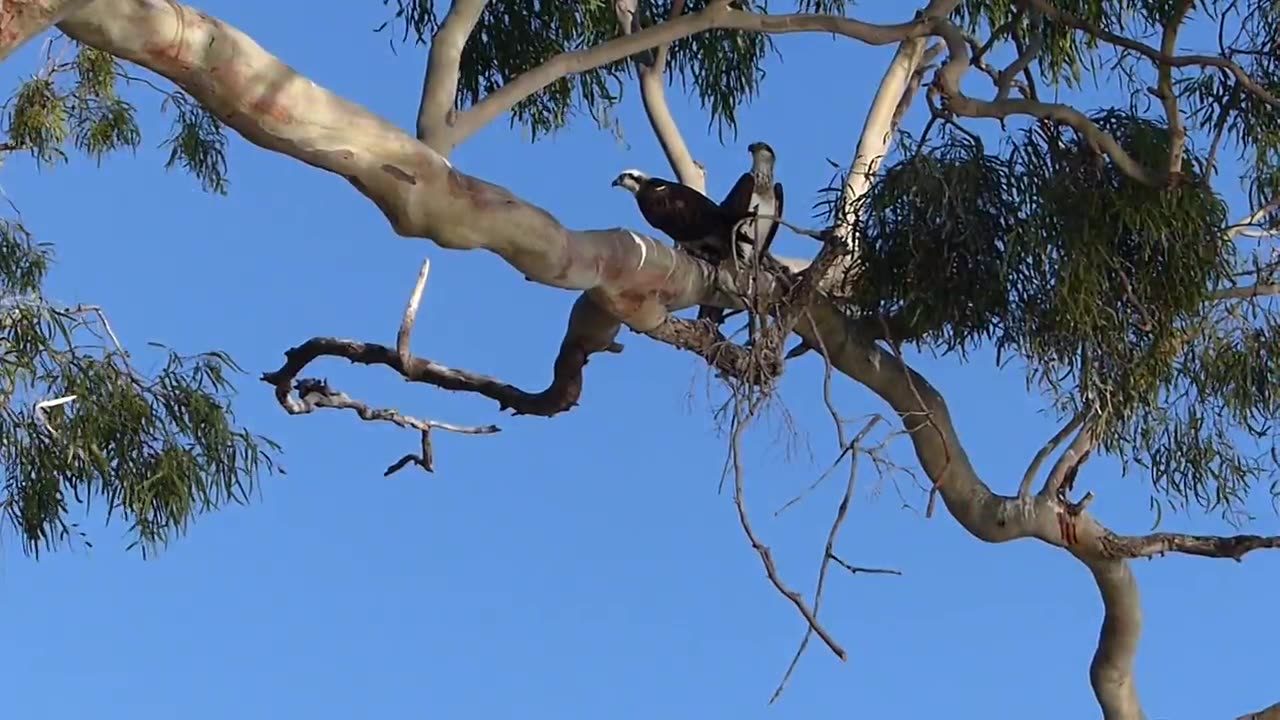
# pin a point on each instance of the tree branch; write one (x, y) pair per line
(440, 82)
(1063, 471)
(628, 278)
(1161, 57)
(588, 325)
(21, 20)
(715, 16)
(1029, 477)
(996, 518)
(653, 94)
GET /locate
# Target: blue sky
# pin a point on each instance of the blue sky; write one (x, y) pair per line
(577, 567)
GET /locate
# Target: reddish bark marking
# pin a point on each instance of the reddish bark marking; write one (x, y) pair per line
(167, 54)
(399, 174)
(267, 107)
(9, 30)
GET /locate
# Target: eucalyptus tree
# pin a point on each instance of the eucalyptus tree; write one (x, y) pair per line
(1093, 243)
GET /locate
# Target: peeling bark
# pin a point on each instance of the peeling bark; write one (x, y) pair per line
(627, 278)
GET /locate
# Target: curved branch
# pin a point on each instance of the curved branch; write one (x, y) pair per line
(716, 15)
(1160, 57)
(590, 330)
(436, 112)
(996, 518)
(654, 97)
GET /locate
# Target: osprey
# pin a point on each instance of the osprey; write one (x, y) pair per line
(694, 221)
(756, 193)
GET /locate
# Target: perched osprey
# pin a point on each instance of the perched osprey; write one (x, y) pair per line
(756, 193)
(694, 221)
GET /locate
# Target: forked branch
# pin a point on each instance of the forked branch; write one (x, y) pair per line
(436, 111)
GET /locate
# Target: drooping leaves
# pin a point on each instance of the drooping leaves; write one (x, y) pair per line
(79, 101)
(80, 426)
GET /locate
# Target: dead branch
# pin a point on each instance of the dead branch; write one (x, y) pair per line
(561, 395)
(855, 569)
(1234, 547)
(403, 350)
(741, 422)
(828, 552)
(314, 394)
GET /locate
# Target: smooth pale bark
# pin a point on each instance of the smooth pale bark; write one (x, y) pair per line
(21, 20)
(628, 278)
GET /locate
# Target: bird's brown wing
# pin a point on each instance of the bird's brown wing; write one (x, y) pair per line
(687, 214)
(777, 211)
(738, 202)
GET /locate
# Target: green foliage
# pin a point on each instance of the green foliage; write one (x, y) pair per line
(79, 100)
(197, 143)
(155, 450)
(1101, 284)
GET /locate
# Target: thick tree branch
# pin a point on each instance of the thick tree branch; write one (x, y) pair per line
(21, 20)
(1063, 471)
(1247, 292)
(1164, 86)
(996, 518)
(440, 82)
(873, 145)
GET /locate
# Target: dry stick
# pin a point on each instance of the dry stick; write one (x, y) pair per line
(427, 459)
(828, 552)
(766, 557)
(410, 316)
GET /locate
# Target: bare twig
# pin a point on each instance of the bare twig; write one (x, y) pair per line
(314, 394)
(403, 350)
(828, 553)
(855, 569)
(741, 419)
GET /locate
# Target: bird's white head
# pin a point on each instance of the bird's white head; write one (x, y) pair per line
(630, 180)
(761, 151)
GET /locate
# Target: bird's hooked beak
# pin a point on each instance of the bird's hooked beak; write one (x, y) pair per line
(617, 182)
(752, 148)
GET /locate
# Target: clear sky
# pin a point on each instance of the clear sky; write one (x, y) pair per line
(577, 567)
